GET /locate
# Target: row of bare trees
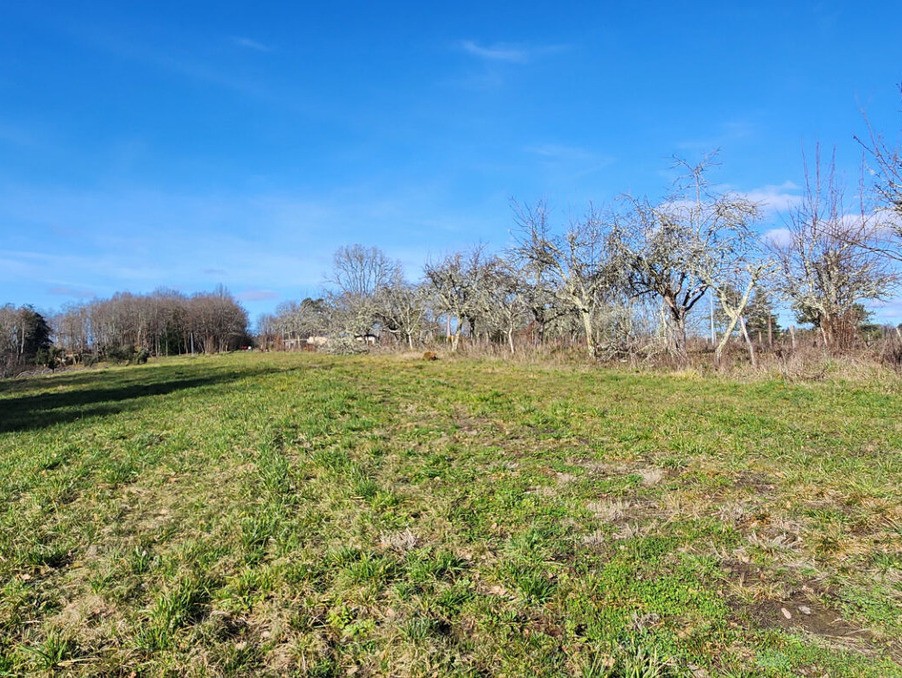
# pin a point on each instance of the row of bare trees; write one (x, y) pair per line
(164, 322)
(624, 280)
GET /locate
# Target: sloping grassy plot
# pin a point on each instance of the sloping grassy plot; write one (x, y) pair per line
(276, 514)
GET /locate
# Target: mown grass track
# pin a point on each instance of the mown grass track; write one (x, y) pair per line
(275, 514)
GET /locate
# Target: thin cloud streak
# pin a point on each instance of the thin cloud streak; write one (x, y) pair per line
(248, 43)
(174, 60)
(727, 135)
(560, 152)
(500, 52)
(257, 295)
(70, 291)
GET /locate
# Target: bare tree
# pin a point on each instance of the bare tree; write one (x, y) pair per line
(358, 275)
(761, 317)
(459, 283)
(171, 308)
(574, 266)
(673, 250)
(733, 276)
(506, 309)
(296, 321)
(546, 313)
(361, 271)
(734, 294)
(401, 309)
(886, 168)
(825, 264)
(72, 330)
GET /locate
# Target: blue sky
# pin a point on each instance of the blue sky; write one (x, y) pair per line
(189, 144)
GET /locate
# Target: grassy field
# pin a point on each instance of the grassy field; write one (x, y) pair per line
(274, 514)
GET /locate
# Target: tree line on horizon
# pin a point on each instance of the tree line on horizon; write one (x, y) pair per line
(627, 281)
(125, 327)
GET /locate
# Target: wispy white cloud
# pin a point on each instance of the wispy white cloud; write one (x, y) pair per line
(257, 295)
(492, 61)
(553, 152)
(779, 237)
(72, 292)
(722, 135)
(248, 43)
(497, 52)
(775, 198)
(177, 58)
(567, 162)
(560, 152)
(512, 53)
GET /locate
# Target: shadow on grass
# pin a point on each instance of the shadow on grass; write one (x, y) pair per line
(102, 393)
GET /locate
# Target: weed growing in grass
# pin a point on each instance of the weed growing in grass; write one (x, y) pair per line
(184, 602)
(55, 649)
(628, 660)
(140, 560)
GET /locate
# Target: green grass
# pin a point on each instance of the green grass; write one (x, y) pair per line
(275, 514)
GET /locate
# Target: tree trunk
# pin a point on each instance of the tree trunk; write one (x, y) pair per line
(713, 330)
(679, 337)
(586, 316)
(748, 341)
(718, 352)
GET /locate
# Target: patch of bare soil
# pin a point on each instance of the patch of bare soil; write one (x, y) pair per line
(758, 482)
(803, 612)
(801, 609)
(650, 475)
(469, 425)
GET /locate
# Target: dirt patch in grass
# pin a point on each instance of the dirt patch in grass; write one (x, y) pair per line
(802, 612)
(469, 424)
(800, 609)
(759, 483)
(649, 475)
